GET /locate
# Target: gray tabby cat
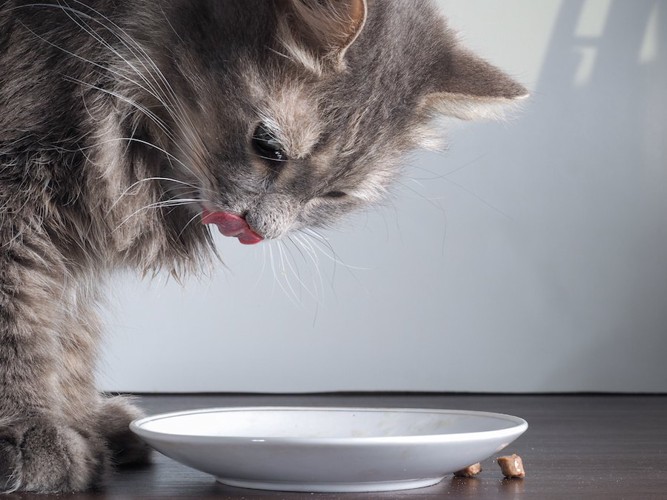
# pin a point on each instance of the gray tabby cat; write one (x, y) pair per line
(126, 124)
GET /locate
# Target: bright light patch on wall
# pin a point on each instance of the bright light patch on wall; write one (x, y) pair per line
(649, 50)
(590, 28)
(593, 18)
(586, 65)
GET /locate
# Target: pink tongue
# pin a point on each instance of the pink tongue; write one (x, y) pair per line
(232, 225)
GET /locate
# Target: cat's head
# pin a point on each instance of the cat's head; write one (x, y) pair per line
(292, 113)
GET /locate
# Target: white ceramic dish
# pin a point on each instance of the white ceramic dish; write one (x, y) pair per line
(329, 449)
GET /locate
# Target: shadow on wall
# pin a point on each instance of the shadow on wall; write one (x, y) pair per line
(604, 259)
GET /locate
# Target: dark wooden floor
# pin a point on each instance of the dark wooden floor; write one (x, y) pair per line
(577, 447)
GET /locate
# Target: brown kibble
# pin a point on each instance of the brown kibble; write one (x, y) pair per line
(512, 466)
(470, 471)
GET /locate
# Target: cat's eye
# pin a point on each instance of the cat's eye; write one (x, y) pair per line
(335, 194)
(266, 145)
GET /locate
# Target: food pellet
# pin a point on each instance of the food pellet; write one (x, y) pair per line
(470, 471)
(512, 466)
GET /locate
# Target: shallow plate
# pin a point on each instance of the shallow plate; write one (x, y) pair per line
(329, 449)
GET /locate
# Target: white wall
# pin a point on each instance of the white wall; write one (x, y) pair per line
(532, 256)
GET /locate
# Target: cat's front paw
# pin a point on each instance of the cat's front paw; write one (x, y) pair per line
(43, 456)
(114, 423)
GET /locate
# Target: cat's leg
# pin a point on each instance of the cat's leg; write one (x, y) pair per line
(42, 447)
(111, 416)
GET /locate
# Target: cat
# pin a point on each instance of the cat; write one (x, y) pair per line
(129, 127)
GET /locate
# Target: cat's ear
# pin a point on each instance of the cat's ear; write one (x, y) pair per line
(318, 33)
(468, 87)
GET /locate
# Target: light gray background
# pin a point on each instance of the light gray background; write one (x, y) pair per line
(532, 256)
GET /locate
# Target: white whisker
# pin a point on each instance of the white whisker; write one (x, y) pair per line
(294, 297)
(194, 218)
(153, 87)
(94, 64)
(330, 253)
(157, 205)
(278, 280)
(295, 270)
(318, 282)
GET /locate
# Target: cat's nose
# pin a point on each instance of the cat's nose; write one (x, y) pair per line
(232, 225)
(274, 215)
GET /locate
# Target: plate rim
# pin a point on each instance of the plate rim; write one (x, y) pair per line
(519, 427)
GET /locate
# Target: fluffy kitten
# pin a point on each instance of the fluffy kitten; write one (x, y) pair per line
(125, 124)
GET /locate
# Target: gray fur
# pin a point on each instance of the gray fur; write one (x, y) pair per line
(121, 120)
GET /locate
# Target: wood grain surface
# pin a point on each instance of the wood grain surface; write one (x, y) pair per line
(577, 447)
